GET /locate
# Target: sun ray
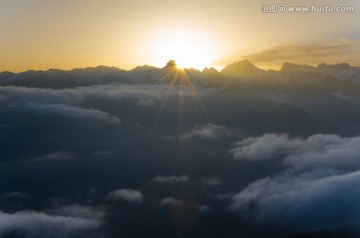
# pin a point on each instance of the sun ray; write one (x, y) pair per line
(165, 100)
(181, 86)
(197, 99)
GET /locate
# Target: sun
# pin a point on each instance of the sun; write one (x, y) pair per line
(189, 48)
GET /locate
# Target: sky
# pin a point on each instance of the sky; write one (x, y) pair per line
(43, 34)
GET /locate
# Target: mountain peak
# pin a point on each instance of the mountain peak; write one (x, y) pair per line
(289, 67)
(246, 61)
(342, 66)
(343, 71)
(171, 63)
(242, 68)
(209, 70)
(245, 64)
(143, 68)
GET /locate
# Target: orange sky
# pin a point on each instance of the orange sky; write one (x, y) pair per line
(43, 34)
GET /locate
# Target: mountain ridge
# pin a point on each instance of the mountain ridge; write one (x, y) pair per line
(240, 74)
(343, 66)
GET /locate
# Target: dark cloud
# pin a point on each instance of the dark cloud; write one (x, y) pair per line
(129, 195)
(340, 95)
(211, 182)
(170, 201)
(69, 111)
(170, 179)
(57, 155)
(222, 196)
(16, 195)
(80, 211)
(39, 224)
(203, 208)
(209, 131)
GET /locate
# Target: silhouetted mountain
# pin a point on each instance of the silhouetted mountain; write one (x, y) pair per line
(7, 77)
(289, 67)
(291, 78)
(139, 73)
(214, 77)
(170, 73)
(55, 78)
(244, 69)
(171, 63)
(210, 70)
(300, 74)
(342, 71)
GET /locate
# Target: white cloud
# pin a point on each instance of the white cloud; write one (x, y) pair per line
(313, 201)
(146, 95)
(262, 148)
(38, 224)
(69, 111)
(326, 152)
(129, 195)
(317, 151)
(171, 179)
(318, 188)
(37, 95)
(170, 201)
(81, 211)
(209, 131)
(76, 102)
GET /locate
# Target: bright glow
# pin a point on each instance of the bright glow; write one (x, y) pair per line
(188, 48)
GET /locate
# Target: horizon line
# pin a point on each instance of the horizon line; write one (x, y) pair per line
(208, 67)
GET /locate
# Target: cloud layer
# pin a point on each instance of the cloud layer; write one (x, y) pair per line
(93, 169)
(316, 152)
(317, 190)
